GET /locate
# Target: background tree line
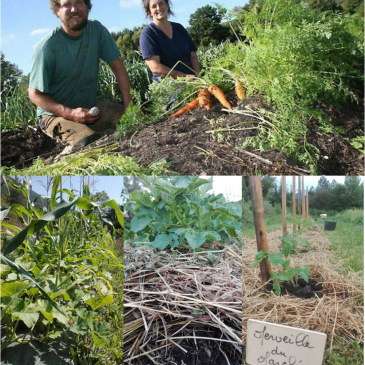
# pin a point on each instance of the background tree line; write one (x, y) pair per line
(326, 196)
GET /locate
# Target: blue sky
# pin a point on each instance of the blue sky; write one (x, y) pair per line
(25, 22)
(112, 185)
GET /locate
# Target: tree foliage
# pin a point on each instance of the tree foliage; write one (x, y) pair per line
(10, 78)
(206, 28)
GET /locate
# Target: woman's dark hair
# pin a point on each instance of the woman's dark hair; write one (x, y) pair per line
(146, 7)
(55, 5)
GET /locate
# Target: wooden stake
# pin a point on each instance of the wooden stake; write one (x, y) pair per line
(303, 199)
(294, 199)
(299, 195)
(260, 228)
(307, 205)
(283, 203)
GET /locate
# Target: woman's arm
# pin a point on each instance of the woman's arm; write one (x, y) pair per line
(158, 68)
(195, 63)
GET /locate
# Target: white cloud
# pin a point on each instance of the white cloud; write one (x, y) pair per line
(39, 31)
(113, 29)
(129, 3)
(6, 39)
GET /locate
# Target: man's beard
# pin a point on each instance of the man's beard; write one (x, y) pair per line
(76, 26)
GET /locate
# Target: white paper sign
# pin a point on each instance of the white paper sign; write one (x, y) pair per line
(275, 344)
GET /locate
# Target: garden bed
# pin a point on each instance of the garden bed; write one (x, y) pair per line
(182, 308)
(337, 313)
(205, 142)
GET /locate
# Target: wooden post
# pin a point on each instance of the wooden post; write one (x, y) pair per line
(283, 204)
(299, 195)
(303, 199)
(260, 228)
(294, 198)
(307, 205)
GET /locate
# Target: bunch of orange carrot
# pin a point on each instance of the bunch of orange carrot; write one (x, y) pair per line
(204, 95)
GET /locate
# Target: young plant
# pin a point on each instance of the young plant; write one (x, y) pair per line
(285, 273)
(289, 243)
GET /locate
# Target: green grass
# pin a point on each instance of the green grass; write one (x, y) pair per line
(347, 240)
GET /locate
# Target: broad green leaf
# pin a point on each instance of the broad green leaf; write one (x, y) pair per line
(161, 241)
(304, 276)
(98, 339)
(98, 302)
(29, 316)
(211, 235)
(11, 288)
(146, 211)
(138, 223)
(20, 270)
(56, 182)
(79, 326)
(102, 328)
(284, 276)
(195, 239)
(84, 313)
(4, 268)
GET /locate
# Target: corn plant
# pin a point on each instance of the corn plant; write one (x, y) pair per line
(179, 211)
(55, 283)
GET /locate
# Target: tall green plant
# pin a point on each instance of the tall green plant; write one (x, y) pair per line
(54, 271)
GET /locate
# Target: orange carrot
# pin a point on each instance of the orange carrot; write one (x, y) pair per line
(240, 91)
(192, 105)
(204, 98)
(218, 93)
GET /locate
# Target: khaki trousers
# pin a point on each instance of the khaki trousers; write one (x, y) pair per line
(73, 132)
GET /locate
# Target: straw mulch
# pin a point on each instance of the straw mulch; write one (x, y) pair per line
(338, 313)
(183, 308)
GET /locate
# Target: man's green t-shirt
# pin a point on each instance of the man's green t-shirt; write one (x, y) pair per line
(67, 67)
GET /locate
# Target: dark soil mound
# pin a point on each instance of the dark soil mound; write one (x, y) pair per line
(20, 148)
(199, 352)
(210, 142)
(302, 289)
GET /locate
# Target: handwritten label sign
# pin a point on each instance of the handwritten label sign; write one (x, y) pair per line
(275, 344)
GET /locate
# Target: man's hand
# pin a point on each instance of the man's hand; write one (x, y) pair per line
(82, 116)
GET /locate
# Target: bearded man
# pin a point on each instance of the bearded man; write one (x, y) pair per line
(64, 76)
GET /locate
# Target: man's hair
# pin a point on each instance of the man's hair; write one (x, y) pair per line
(146, 7)
(55, 5)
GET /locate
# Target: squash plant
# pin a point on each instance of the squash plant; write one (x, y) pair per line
(179, 210)
(54, 273)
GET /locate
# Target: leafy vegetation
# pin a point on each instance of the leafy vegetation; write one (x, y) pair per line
(56, 286)
(285, 273)
(178, 211)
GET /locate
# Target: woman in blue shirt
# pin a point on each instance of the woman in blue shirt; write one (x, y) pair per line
(164, 43)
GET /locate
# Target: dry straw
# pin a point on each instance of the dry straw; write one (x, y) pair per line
(338, 313)
(171, 297)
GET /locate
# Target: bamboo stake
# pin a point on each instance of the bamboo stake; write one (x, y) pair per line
(283, 204)
(260, 228)
(294, 212)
